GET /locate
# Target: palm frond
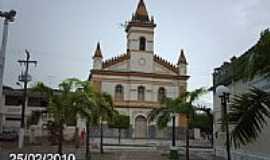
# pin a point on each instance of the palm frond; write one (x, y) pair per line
(194, 95)
(155, 113)
(163, 119)
(249, 112)
(41, 87)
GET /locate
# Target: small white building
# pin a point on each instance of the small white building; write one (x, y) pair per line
(11, 108)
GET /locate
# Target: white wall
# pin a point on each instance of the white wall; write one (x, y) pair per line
(135, 62)
(260, 148)
(131, 85)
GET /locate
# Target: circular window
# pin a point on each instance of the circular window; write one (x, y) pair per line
(142, 61)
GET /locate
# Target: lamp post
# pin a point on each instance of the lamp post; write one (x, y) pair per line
(173, 129)
(173, 149)
(8, 17)
(224, 93)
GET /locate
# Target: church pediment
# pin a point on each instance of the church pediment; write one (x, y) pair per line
(160, 69)
(120, 63)
(163, 66)
(117, 63)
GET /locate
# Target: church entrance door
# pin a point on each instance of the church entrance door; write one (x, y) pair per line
(140, 127)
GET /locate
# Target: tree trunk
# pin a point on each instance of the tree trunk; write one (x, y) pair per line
(101, 138)
(119, 135)
(87, 149)
(187, 139)
(60, 140)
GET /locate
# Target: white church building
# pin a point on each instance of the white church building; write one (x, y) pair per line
(138, 79)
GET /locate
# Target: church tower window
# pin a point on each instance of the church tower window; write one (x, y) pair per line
(142, 44)
(141, 93)
(119, 92)
(161, 94)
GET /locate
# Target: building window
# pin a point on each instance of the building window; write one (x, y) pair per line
(13, 100)
(161, 94)
(119, 92)
(141, 93)
(142, 44)
(13, 119)
(37, 102)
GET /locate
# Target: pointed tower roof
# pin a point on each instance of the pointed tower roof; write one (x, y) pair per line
(141, 17)
(98, 53)
(141, 12)
(182, 59)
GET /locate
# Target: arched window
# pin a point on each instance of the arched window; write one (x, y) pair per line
(142, 44)
(161, 94)
(141, 93)
(119, 92)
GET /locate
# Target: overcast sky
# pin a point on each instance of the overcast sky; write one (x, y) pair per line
(62, 34)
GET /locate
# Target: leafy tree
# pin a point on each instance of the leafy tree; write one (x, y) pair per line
(201, 121)
(204, 120)
(120, 122)
(249, 113)
(255, 62)
(170, 107)
(259, 60)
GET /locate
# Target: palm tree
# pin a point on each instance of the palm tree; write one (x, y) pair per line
(170, 107)
(248, 115)
(104, 112)
(63, 105)
(85, 107)
(56, 109)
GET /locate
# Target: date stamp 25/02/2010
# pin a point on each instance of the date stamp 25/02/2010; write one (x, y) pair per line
(41, 156)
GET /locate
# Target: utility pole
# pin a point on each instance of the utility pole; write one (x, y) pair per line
(24, 77)
(8, 17)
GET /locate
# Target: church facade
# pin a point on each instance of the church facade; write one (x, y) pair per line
(139, 79)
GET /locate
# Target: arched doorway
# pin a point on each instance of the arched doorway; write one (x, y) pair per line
(140, 127)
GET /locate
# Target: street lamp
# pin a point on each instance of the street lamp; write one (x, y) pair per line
(8, 17)
(173, 149)
(173, 115)
(224, 93)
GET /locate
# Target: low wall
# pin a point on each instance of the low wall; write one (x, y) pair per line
(152, 133)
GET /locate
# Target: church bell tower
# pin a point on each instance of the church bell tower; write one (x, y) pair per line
(140, 40)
